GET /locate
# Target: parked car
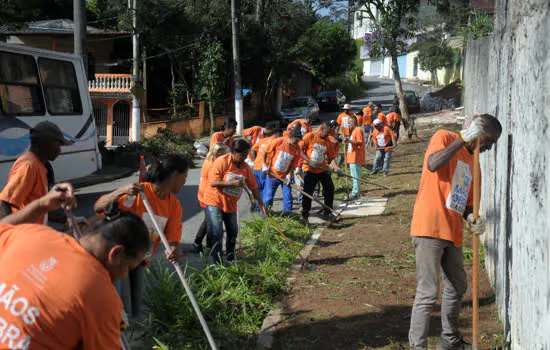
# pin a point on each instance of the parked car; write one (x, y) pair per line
(413, 102)
(300, 107)
(331, 100)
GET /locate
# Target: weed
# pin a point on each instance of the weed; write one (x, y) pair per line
(234, 298)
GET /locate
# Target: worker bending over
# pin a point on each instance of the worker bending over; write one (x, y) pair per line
(58, 292)
(226, 135)
(165, 178)
(303, 124)
(394, 121)
(444, 200)
(282, 157)
(318, 152)
(227, 177)
(260, 167)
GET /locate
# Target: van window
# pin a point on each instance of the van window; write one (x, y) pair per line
(60, 86)
(20, 92)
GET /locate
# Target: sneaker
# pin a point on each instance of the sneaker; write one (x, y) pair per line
(461, 345)
(196, 248)
(327, 216)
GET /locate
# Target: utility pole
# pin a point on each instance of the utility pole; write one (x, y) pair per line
(237, 68)
(79, 31)
(137, 88)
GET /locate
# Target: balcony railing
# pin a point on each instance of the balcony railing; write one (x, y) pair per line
(111, 83)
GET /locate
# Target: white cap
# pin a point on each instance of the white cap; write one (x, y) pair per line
(376, 122)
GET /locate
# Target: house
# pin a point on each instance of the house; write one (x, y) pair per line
(109, 62)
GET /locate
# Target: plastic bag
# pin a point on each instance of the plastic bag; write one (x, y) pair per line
(201, 149)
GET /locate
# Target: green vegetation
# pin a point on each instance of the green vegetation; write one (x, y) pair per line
(234, 298)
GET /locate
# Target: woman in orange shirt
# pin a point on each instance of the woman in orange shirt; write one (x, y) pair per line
(166, 178)
(65, 297)
(218, 150)
(227, 177)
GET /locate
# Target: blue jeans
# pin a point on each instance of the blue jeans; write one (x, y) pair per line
(355, 170)
(260, 179)
(270, 188)
(131, 290)
(217, 218)
(385, 156)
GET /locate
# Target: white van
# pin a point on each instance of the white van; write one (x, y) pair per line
(38, 85)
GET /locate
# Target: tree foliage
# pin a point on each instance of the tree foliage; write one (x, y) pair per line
(433, 55)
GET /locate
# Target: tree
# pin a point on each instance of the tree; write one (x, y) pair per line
(210, 75)
(433, 55)
(395, 23)
(328, 48)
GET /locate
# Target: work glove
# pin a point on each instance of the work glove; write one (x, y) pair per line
(473, 130)
(288, 180)
(477, 225)
(265, 169)
(250, 162)
(124, 322)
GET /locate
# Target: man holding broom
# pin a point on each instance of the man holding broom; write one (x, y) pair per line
(444, 200)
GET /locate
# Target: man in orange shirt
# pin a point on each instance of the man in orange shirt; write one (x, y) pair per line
(343, 120)
(380, 115)
(260, 167)
(367, 111)
(394, 121)
(254, 134)
(355, 155)
(58, 291)
(227, 177)
(384, 139)
(226, 135)
(304, 124)
(282, 156)
(444, 199)
(318, 152)
(28, 178)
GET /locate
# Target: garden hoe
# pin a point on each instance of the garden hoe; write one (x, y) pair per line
(299, 189)
(365, 181)
(475, 248)
(253, 202)
(180, 273)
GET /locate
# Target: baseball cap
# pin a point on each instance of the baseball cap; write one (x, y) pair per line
(296, 133)
(376, 122)
(49, 130)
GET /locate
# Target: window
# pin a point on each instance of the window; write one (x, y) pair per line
(20, 92)
(60, 86)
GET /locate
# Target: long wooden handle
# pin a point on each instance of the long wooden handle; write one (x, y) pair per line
(475, 248)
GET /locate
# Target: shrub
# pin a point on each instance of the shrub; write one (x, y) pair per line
(234, 299)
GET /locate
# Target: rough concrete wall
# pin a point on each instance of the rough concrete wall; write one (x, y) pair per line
(507, 74)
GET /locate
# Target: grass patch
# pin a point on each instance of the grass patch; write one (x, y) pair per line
(234, 299)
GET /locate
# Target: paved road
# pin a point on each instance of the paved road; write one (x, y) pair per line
(380, 91)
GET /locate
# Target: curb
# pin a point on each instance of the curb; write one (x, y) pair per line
(266, 337)
(98, 179)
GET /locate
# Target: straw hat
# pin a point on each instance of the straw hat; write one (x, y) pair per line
(347, 106)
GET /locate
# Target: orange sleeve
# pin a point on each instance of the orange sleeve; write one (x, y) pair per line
(216, 171)
(19, 184)
(256, 147)
(174, 224)
(339, 120)
(250, 179)
(439, 141)
(248, 132)
(101, 318)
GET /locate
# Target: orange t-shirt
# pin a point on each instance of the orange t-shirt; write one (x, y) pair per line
(27, 181)
(260, 149)
(64, 299)
(256, 133)
(393, 117)
(167, 211)
(226, 198)
(305, 127)
(203, 181)
(367, 116)
(359, 119)
(383, 139)
(356, 153)
(343, 121)
(382, 117)
(318, 150)
(443, 195)
(282, 157)
(218, 137)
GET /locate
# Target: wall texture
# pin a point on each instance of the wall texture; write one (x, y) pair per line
(507, 75)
